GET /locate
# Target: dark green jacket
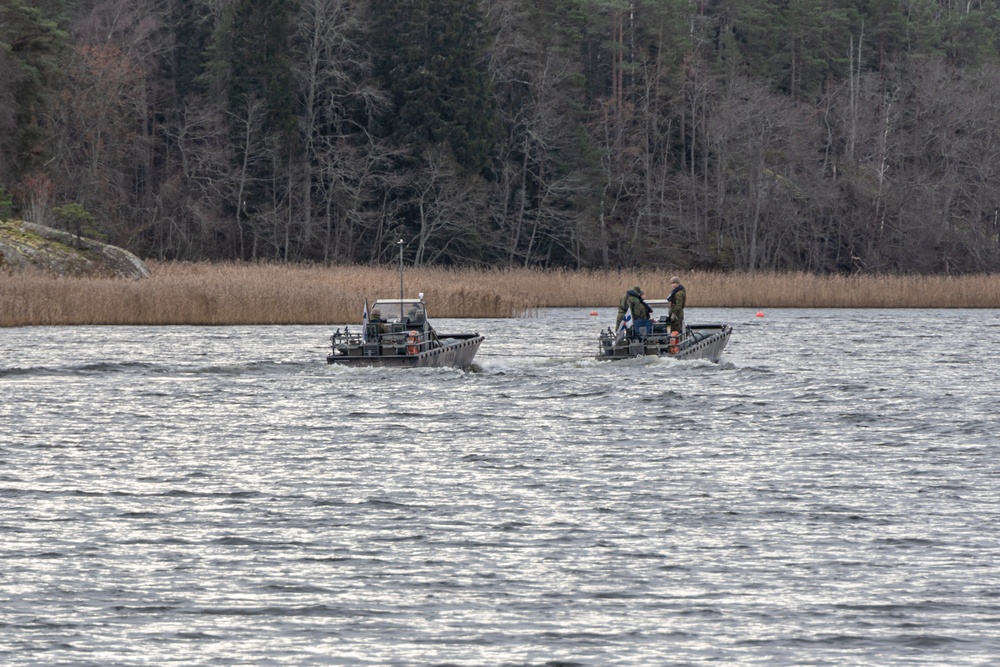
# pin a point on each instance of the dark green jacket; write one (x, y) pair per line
(633, 300)
(676, 299)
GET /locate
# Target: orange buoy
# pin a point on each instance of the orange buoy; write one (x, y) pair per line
(760, 313)
(411, 342)
(593, 313)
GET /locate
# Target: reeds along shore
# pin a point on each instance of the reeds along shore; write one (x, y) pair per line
(216, 294)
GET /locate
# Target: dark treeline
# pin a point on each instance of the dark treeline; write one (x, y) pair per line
(829, 136)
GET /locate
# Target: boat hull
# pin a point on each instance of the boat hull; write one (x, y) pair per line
(455, 351)
(702, 341)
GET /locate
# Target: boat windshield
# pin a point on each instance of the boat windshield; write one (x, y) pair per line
(402, 310)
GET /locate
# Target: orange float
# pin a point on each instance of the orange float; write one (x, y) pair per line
(675, 343)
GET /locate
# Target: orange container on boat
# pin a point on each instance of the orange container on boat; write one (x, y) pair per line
(675, 342)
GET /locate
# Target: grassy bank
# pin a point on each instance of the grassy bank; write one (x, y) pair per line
(179, 293)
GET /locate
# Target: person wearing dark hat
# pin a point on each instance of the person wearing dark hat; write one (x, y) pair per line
(678, 295)
(640, 309)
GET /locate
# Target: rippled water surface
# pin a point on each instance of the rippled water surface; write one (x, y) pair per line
(827, 495)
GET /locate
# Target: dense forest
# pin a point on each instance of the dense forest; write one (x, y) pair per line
(830, 136)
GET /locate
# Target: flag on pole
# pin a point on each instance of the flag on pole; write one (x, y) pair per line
(364, 324)
(624, 326)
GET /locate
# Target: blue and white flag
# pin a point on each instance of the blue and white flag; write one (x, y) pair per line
(624, 326)
(364, 324)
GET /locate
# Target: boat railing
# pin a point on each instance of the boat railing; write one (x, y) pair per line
(346, 337)
(396, 341)
(658, 334)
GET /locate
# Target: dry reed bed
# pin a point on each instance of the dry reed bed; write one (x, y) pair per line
(212, 294)
(209, 294)
(757, 290)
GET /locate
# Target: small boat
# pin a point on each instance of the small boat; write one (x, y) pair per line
(697, 341)
(405, 338)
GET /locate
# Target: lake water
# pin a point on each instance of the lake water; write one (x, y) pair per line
(829, 494)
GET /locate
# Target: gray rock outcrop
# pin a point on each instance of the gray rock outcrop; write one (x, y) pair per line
(25, 244)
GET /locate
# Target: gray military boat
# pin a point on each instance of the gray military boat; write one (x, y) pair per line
(404, 339)
(697, 341)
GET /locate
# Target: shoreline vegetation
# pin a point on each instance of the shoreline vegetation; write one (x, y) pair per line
(245, 293)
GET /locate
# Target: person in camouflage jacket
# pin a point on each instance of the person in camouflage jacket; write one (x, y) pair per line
(678, 295)
(633, 300)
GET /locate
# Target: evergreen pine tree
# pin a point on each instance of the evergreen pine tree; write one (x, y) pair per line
(429, 56)
(31, 43)
(251, 58)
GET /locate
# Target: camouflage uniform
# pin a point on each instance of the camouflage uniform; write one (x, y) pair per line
(633, 300)
(676, 299)
(376, 325)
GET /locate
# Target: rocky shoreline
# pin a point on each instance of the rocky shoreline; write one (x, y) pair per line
(25, 245)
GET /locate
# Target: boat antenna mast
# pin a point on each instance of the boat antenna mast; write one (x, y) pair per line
(400, 244)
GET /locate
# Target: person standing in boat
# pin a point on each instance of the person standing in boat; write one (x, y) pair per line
(678, 295)
(640, 310)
